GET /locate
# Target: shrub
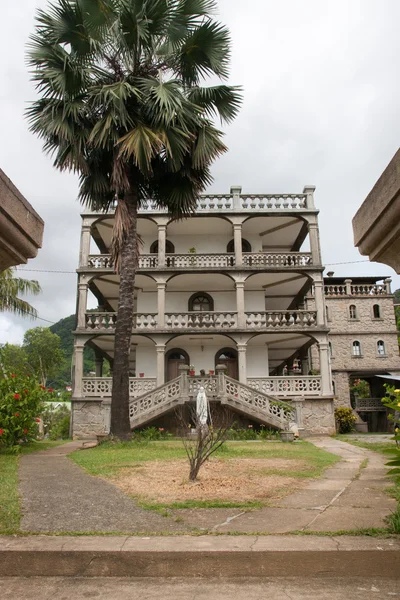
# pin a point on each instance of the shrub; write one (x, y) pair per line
(345, 419)
(21, 402)
(361, 388)
(56, 422)
(152, 434)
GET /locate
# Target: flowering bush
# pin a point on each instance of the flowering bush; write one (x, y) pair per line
(361, 388)
(345, 419)
(21, 402)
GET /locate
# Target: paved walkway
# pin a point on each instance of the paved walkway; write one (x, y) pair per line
(57, 495)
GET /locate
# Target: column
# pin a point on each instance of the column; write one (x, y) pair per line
(161, 304)
(85, 246)
(241, 317)
(315, 247)
(184, 370)
(304, 365)
(320, 302)
(309, 191)
(236, 190)
(237, 239)
(242, 348)
(266, 360)
(160, 349)
(387, 283)
(347, 283)
(162, 237)
(325, 368)
(98, 361)
(82, 301)
(77, 368)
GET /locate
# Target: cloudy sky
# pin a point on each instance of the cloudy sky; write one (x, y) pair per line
(321, 106)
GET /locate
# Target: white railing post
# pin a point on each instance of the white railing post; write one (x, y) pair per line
(82, 300)
(348, 286)
(220, 371)
(162, 237)
(236, 190)
(77, 369)
(160, 349)
(161, 304)
(309, 191)
(85, 245)
(387, 283)
(241, 317)
(237, 239)
(325, 368)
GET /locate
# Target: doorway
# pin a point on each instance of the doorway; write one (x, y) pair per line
(229, 358)
(174, 358)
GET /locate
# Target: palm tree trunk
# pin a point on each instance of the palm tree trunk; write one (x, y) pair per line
(120, 424)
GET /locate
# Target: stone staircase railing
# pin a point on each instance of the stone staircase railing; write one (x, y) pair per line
(156, 402)
(259, 406)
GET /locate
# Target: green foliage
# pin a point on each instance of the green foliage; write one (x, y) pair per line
(56, 422)
(152, 434)
(345, 419)
(392, 400)
(250, 433)
(21, 402)
(361, 388)
(43, 352)
(11, 287)
(13, 360)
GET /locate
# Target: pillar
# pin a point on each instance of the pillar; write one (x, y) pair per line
(305, 365)
(237, 239)
(161, 304)
(82, 301)
(98, 361)
(320, 302)
(162, 237)
(85, 246)
(315, 247)
(309, 191)
(387, 283)
(266, 360)
(325, 368)
(77, 370)
(347, 283)
(160, 349)
(241, 317)
(242, 348)
(184, 370)
(236, 190)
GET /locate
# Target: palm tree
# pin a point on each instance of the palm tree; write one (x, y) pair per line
(122, 105)
(10, 287)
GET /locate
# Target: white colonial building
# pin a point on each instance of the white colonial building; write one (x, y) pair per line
(219, 303)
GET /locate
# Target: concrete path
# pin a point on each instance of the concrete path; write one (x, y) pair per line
(128, 588)
(58, 496)
(349, 496)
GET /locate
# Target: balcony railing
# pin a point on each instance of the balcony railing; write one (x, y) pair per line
(369, 405)
(254, 260)
(274, 319)
(101, 387)
(357, 290)
(287, 386)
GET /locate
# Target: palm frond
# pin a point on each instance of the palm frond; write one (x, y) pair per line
(11, 287)
(222, 100)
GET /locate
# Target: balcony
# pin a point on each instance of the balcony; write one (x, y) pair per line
(201, 321)
(251, 260)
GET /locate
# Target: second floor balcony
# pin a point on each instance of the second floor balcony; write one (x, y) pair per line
(251, 260)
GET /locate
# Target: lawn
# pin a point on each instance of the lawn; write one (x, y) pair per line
(9, 499)
(245, 474)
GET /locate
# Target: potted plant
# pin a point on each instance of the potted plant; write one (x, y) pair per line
(287, 435)
(192, 371)
(202, 372)
(211, 372)
(192, 258)
(141, 374)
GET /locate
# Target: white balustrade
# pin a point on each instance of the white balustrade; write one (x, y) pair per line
(267, 202)
(208, 382)
(281, 319)
(277, 259)
(191, 261)
(102, 386)
(100, 320)
(287, 386)
(100, 261)
(156, 401)
(368, 290)
(200, 320)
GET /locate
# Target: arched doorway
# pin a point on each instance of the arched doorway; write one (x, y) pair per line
(173, 359)
(229, 358)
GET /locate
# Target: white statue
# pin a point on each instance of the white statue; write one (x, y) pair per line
(202, 407)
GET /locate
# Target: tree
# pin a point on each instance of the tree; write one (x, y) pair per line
(122, 104)
(43, 352)
(11, 287)
(12, 360)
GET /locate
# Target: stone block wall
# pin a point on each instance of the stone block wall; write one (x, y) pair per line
(90, 417)
(318, 417)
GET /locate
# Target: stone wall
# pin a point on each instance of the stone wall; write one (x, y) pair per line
(342, 389)
(318, 417)
(90, 418)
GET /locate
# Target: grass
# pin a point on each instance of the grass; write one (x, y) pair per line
(383, 448)
(9, 500)
(110, 458)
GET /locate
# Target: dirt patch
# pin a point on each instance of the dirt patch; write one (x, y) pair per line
(239, 479)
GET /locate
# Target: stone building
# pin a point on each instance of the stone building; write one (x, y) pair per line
(363, 341)
(220, 304)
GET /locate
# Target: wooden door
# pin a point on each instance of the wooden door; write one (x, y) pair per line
(231, 365)
(173, 367)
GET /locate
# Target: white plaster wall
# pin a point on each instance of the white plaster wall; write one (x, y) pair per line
(146, 361)
(257, 361)
(179, 301)
(204, 244)
(254, 300)
(147, 302)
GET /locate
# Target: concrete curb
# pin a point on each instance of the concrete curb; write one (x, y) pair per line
(207, 556)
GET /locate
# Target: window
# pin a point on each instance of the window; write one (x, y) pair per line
(328, 318)
(352, 311)
(380, 346)
(246, 246)
(377, 312)
(356, 348)
(169, 247)
(330, 349)
(201, 302)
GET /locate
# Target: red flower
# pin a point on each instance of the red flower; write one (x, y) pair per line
(37, 420)
(17, 397)
(26, 431)
(42, 387)
(13, 375)
(26, 391)
(1, 431)
(50, 390)
(16, 415)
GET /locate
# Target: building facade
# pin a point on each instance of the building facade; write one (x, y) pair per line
(363, 342)
(220, 302)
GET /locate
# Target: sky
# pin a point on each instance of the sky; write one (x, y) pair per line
(321, 106)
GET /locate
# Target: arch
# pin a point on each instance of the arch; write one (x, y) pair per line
(246, 246)
(352, 311)
(169, 247)
(380, 348)
(228, 357)
(173, 359)
(356, 348)
(376, 311)
(201, 302)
